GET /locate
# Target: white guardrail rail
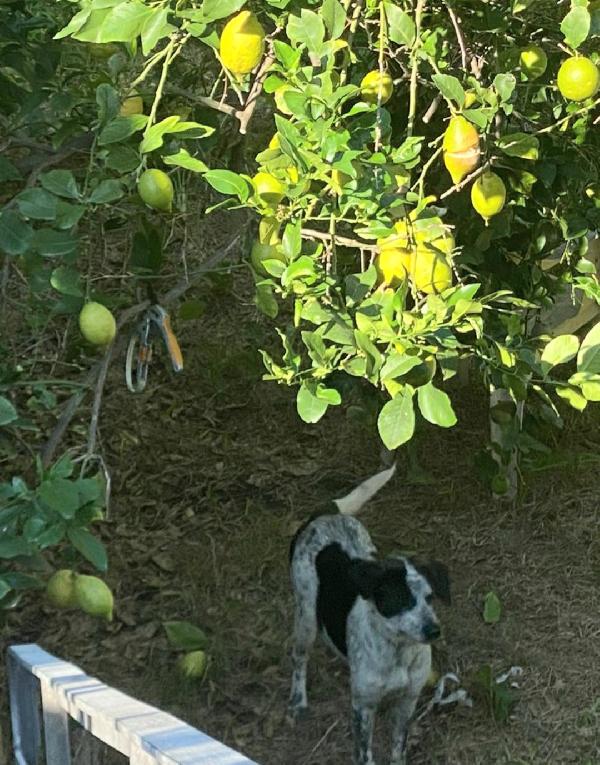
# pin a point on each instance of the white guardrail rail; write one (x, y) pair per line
(45, 691)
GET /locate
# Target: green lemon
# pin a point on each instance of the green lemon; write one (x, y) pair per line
(193, 664)
(94, 597)
(131, 105)
(60, 588)
(268, 188)
(578, 78)
(375, 86)
(533, 61)
(262, 251)
(97, 324)
(488, 195)
(156, 190)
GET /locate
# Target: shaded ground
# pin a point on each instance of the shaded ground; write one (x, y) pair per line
(213, 471)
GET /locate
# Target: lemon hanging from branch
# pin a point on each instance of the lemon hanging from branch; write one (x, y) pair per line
(242, 43)
(156, 190)
(376, 85)
(461, 148)
(578, 78)
(488, 195)
(534, 61)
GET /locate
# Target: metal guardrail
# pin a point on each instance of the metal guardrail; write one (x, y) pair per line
(45, 691)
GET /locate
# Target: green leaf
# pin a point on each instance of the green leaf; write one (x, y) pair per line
(398, 364)
(572, 396)
(67, 215)
(60, 495)
(60, 182)
(125, 22)
(108, 102)
(310, 408)
(227, 182)
(7, 411)
(396, 421)
(184, 159)
(334, 17)
(91, 548)
(122, 158)
(12, 547)
(121, 128)
(212, 10)
(185, 636)
(450, 88)
(155, 28)
(588, 358)
(53, 243)
(292, 240)
(492, 608)
(559, 350)
(90, 31)
(106, 191)
(154, 138)
(330, 395)
(435, 406)
(265, 301)
(67, 281)
(505, 85)
(8, 172)
(76, 23)
(401, 27)
(5, 588)
(308, 28)
(37, 204)
(15, 234)
(519, 145)
(576, 26)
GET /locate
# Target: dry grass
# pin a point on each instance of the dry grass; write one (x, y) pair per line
(213, 470)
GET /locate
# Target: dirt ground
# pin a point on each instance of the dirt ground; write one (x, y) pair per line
(212, 472)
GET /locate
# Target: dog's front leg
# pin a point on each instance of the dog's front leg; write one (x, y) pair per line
(363, 718)
(402, 712)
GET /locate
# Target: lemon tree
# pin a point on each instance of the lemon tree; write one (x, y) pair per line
(422, 180)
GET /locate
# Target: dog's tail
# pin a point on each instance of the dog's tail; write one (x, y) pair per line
(352, 503)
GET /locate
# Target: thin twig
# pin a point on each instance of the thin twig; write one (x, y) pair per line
(465, 181)
(412, 111)
(309, 233)
(459, 35)
(433, 107)
(245, 115)
(102, 372)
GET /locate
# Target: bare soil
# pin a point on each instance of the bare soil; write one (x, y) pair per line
(212, 471)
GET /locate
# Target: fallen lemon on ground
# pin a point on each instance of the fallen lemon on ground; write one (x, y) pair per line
(461, 148)
(193, 664)
(242, 43)
(132, 105)
(156, 190)
(488, 195)
(578, 78)
(60, 588)
(376, 85)
(97, 324)
(94, 597)
(268, 188)
(533, 61)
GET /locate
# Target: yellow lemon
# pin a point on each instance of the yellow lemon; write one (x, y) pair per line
(156, 190)
(97, 324)
(270, 190)
(461, 148)
(61, 588)
(578, 78)
(132, 105)
(375, 86)
(533, 61)
(470, 99)
(393, 265)
(242, 43)
(488, 195)
(431, 271)
(94, 597)
(261, 252)
(275, 143)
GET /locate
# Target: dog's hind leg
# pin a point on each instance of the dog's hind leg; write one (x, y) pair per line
(402, 712)
(305, 632)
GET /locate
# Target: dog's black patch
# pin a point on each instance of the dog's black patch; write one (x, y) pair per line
(383, 582)
(337, 594)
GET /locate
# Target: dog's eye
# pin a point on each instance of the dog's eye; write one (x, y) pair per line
(429, 598)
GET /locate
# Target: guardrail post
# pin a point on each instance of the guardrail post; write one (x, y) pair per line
(56, 727)
(26, 723)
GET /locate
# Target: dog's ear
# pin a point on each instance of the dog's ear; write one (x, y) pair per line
(365, 575)
(439, 580)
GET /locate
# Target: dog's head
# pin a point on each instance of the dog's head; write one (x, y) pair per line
(403, 591)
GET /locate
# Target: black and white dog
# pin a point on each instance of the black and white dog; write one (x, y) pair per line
(376, 613)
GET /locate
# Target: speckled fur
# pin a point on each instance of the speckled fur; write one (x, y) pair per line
(389, 657)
